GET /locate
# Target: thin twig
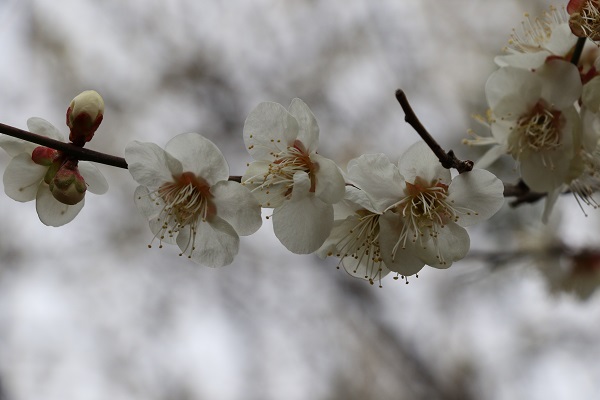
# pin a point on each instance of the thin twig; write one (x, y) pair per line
(447, 159)
(74, 151)
(67, 148)
(522, 193)
(578, 50)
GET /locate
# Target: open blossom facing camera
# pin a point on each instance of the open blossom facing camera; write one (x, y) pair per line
(535, 121)
(188, 200)
(289, 176)
(57, 184)
(421, 210)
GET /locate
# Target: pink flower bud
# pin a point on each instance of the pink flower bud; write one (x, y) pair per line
(84, 116)
(68, 186)
(44, 156)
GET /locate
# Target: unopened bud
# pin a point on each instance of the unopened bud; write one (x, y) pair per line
(68, 186)
(84, 116)
(44, 156)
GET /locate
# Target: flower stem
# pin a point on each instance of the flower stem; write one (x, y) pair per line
(447, 159)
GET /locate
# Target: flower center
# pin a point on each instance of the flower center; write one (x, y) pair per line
(586, 21)
(187, 201)
(281, 171)
(361, 243)
(424, 212)
(538, 130)
(425, 207)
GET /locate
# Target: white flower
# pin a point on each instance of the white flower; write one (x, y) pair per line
(289, 176)
(188, 200)
(424, 209)
(355, 237)
(24, 180)
(534, 120)
(541, 38)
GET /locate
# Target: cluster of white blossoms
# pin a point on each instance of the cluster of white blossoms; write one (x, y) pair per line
(544, 105)
(397, 218)
(378, 217)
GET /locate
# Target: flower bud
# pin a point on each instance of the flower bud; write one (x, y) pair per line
(84, 116)
(68, 186)
(44, 156)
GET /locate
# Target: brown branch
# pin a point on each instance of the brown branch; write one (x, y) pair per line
(522, 194)
(75, 151)
(447, 159)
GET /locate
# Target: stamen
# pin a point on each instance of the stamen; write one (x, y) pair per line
(185, 203)
(424, 213)
(280, 175)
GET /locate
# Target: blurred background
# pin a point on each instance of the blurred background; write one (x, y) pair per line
(87, 311)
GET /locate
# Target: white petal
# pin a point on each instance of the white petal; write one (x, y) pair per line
(478, 193)
(149, 207)
(14, 146)
(157, 227)
(405, 262)
(420, 161)
(511, 91)
(308, 130)
(22, 178)
(269, 129)
(236, 205)
(379, 178)
(303, 223)
(396, 259)
(451, 244)
(95, 181)
(364, 270)
(214, 244)
(330, 184)
(254, 177)
(546, 170)
(561, 40)
(150, 165)
(522, 60)
(200, 156)
(358, 200)
(562, 83)
(44, 128)
(490, 156)
(52, 212)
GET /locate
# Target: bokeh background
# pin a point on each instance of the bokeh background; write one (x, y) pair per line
(87, 311)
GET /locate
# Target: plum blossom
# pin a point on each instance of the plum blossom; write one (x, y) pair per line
(533, 118)
(58, 184)
(540, 38)
(186, 195)
(421, 211)
(289, 176)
